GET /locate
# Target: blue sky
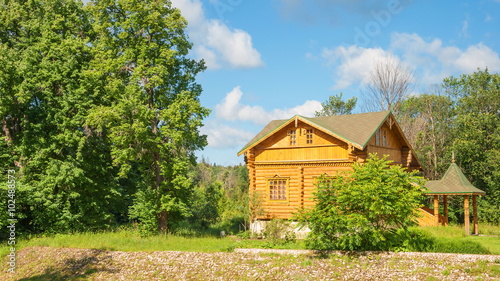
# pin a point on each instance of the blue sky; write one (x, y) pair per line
(277, 58)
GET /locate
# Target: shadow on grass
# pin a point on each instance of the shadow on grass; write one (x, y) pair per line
(76, 268)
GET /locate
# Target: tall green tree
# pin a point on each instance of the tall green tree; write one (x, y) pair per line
(477, 134)
(153, 115)
(99, 112)
(64, 174)
(336, 106)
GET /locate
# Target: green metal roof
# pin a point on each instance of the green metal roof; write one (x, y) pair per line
(453, 182)
(356, 129)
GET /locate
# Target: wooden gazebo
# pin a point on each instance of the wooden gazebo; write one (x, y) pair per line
(454, 182)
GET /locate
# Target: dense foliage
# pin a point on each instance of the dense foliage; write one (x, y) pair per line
(477, 134)
(220, 200)
(100, 113)
(363, 210)
(460, 116)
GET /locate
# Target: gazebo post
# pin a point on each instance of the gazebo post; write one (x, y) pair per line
(466, 215)
(474, 213)
(436, 209)
(445, 202)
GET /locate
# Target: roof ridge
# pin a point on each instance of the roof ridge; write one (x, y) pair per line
(355, 129)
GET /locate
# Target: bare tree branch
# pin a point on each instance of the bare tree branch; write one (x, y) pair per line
(390, 81)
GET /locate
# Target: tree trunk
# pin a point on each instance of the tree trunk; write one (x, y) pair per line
(6, 130)
(162, 221)
(162, 216)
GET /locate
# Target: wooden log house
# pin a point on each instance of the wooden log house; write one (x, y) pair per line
(287, 157)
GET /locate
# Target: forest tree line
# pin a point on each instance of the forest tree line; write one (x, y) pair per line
(459, 117)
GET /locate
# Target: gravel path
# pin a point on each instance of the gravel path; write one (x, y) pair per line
(45, 263)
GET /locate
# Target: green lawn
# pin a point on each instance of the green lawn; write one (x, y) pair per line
(448, 239)
(489, 236)
(126, 240)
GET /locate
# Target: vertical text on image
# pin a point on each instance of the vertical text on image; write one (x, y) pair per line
(11, 226)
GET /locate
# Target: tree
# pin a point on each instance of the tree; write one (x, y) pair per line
(336, 106)
(221, 198)
(390, 82)
(65, 177)
(154, 114)
(426, 121)
(477, 134)
(362, 210)
(100, 112)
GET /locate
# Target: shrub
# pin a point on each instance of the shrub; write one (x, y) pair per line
(279, 232)
(363, 210)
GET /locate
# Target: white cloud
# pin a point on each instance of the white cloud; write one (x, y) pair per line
(214, 41)
(224, 136)
(436, 61)
(431, 59)
(232, 109)
(478, 56)
(465, 29)
(355, 63)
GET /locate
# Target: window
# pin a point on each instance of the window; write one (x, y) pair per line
(278, 189)
(381, 137)
(309, 136)
(292, 137)
(323, 180)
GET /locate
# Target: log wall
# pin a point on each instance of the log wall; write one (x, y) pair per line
(301, 186)
(305, 153)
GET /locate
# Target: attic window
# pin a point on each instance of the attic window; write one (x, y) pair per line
(292, 137)
(309, 136)
(381, 137)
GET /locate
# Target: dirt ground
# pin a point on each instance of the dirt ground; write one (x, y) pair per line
(45, 263)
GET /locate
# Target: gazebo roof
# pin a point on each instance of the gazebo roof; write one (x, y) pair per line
(453, 182)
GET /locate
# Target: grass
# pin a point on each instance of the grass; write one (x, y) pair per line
(130, 241)
(57, 266)
(449, 239)
(452, 239)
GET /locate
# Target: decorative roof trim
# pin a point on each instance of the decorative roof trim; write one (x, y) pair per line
(251, 145)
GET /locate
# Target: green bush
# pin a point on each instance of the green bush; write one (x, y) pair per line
(363, 210)
(412, 240)
(279, 232)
